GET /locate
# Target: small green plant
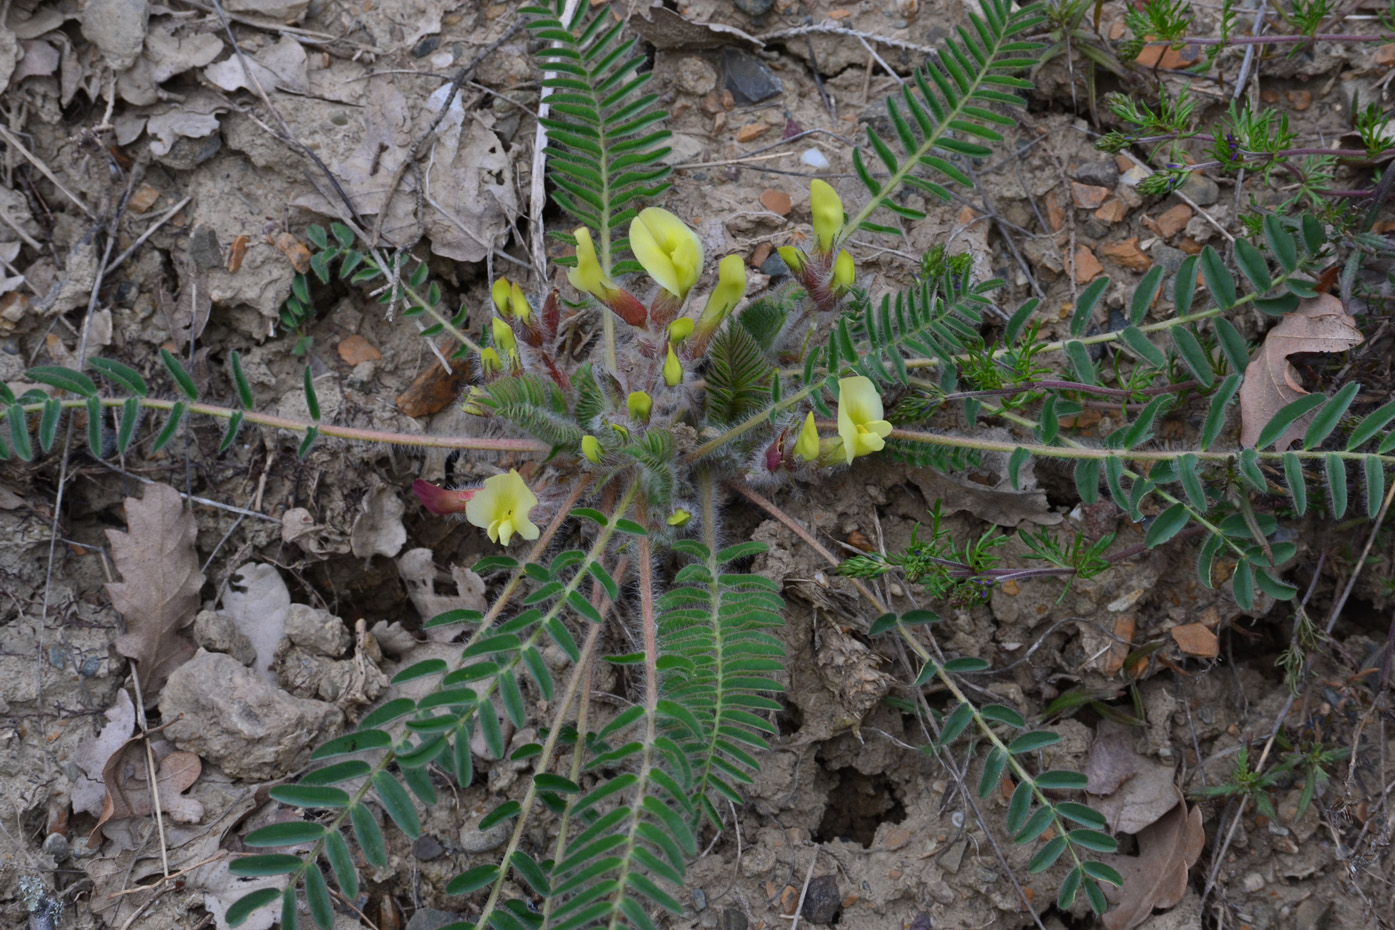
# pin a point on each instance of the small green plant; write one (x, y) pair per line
(1246, 783)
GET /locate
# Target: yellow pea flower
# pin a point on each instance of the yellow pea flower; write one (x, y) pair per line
(509, 300)
(591, 448)
(669, 251)
(490, 361)
(501, 508)
(639, 405)
(828, 213)
(679, 517)
(844, 272)
(807, 445)
(503, 338)
(860, 420)
(587, 276)
(673, 369)
(731, 287)
(679, 330)
(792, 257)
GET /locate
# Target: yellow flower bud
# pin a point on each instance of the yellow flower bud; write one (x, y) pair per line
(501, 508)
(843, 271)
(519, 304)
(673, 369)
(503, 338)
(587, 276)
(669, 251)
(731, 287)
(792, 257)
(807, 445)
(860, 422)
(490, 361)
(473, 402)
(828, 213)
(499, 293)
(679, 330)
(639, 405)
(591, 448)
(679, 517)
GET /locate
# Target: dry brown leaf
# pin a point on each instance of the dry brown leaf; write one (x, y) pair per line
(159, 593)
(1130, 790)
(1196, 640)
(1157, 876)
(1318, 325)
(127, 778)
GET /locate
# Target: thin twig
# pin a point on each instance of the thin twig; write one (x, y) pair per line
(163, 218)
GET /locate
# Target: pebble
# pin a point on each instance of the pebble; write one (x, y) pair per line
(1112, 210)
(695, 76)
(1100, 173)
(733, 918)
(754, 7)
(814, 159)
(752, 131)
(1172, 221)
(1126, 253)
(1087, 266)
(822, 901)
(1134, 175)
(1253, 882)
(776, 202)
(748, 78)
(1201, 189)
(1088, 196)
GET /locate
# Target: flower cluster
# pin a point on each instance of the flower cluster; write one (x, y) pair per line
(644, 389)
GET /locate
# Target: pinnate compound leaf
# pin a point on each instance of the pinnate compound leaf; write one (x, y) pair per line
(159, 591)
(1157, 876)
(1319, 324)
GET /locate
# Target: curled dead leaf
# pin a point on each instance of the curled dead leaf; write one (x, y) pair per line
(1271, 382)
(127, 777)
(1157, 876)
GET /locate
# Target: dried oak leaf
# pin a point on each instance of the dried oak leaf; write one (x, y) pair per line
(159, 593)
(1157, 876)
(1318, 325)
(127, 778)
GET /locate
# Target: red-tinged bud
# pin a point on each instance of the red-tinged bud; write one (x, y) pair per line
(441, 501)
(775, 455)
(552, 313)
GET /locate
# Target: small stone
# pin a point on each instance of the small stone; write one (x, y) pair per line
(761, 253)
(1201, 189)
(1087, 267)
(1098, 173)
(754, 7)
(1253, 882)
(1126, 253)
(1385, 56)
(1165, 56)
(316, 631)
(733, 918)
(1134, 175)
(695, 76)
(1269, 95)
(427, 848)
(776, 202)
(748, 78)
(1112, 210)
(204, 248)
(1300, 100)
(219, 633)
(751, 131)
(355, 350)
(1172, 221)
(1055, 215)
(774, 267)
(822, 900)
(475, 840)
(1190, 246)
(143, 199)
(1087, 196)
